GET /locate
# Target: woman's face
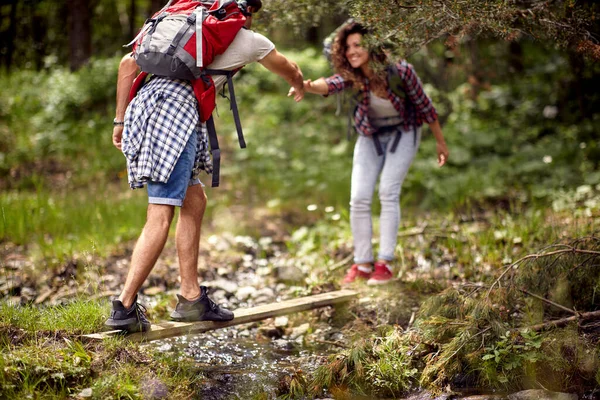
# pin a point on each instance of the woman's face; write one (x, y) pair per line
(356, 55)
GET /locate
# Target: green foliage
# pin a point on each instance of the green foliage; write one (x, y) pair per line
(66, 129)
(378, 365)
(513, 352)
(413, 24)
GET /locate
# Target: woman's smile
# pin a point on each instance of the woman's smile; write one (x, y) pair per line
(356, 55)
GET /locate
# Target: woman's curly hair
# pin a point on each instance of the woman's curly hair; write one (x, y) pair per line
(343, 67)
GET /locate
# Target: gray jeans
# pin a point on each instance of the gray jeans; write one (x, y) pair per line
(366, 167)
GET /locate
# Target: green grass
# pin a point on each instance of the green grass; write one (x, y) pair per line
(59, 224)
(77, 317)
(41, 356)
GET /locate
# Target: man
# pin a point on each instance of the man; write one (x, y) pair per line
(166, 145)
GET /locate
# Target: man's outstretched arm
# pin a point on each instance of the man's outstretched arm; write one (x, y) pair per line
(128, 70)
(287, 69)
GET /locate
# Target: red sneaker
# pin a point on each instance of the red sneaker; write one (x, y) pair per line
(381, 275)
(357, 272)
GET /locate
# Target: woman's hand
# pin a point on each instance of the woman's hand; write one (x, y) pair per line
(442, 152)
(293, 92)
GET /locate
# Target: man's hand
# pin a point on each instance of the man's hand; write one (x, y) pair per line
(287, 69)
(297, 93)
(117, 136)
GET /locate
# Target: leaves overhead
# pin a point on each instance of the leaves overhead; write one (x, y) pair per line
(410, 24)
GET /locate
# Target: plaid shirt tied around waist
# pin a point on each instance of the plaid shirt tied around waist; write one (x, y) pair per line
(159, 121)
(414, 110)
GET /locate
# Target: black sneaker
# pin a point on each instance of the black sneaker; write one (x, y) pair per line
(203, 309)
(132, 319)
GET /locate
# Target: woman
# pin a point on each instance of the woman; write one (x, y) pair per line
(389, 127)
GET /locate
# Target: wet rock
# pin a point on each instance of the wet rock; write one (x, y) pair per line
(299, 331)
(289, 273)
(219, 295)
(43, 296)
(263, 271)
(424, 395)
(539, 394)
(270, 331)
(224, 271)
(228, 286)
(336, 336)
(154, 389)
(281, 322)
(244, 333)
(267, 293)
(246, 244)
(11, 287)
(28, 294)
(85, 393)
(283, 344)
(484, 397)
(153, 291)
(246, 292)
(219, 243)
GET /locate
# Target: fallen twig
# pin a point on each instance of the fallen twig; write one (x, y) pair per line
(340, 263)
(564, 321)
(566, 249)
(549, 302)
(331, 343)
(420, 230)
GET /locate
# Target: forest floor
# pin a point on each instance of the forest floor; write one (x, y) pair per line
(454, 258)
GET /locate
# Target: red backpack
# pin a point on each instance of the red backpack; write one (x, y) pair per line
(168, 45)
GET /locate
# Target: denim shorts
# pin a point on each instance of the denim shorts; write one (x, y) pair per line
(173, 192)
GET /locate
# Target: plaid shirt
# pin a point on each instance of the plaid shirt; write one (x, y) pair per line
(415, 112)
(158, 123)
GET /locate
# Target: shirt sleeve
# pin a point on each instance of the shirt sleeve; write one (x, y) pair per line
(262, 46)
(416, 94)
(336, 83)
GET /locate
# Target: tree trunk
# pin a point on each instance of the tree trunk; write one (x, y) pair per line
(80, 33)
(515, 58)
(155, 5)
(9, 39)
(132, 25)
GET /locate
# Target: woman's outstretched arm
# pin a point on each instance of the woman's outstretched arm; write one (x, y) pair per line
(317, 87)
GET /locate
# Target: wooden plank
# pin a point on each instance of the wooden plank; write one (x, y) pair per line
(169, 329)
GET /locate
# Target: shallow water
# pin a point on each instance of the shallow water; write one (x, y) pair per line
(237, 365)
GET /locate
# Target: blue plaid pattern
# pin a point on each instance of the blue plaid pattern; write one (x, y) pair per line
(158, 124)
(414, 113)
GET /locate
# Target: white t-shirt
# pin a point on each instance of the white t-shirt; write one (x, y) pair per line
(246, 48)
(382, 112)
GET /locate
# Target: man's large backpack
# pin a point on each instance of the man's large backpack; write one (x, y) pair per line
(179, 41)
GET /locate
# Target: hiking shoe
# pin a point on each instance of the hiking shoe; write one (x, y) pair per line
(202, 309)
(356, 272)
(132, 319)
(381, 275)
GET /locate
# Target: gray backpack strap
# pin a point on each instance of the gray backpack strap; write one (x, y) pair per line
(191, 22)
(214, 150)
(233, 102)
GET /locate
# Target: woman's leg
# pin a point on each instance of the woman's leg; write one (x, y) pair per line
(366, 167)
(394, 171)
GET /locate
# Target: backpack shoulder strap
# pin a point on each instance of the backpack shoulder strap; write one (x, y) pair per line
(395, 81)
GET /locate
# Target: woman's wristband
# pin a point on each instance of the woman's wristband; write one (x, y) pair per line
(118, 123)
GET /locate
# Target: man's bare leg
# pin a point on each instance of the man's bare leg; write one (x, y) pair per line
(187, 237)
(147, 250)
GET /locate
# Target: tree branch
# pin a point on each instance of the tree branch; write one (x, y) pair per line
(568, 249)
(550, 302)
(564, 321)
